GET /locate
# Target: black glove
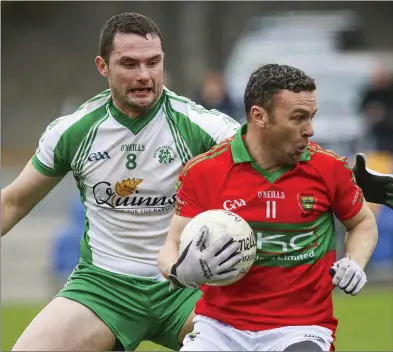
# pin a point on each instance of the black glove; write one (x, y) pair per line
(376, 187)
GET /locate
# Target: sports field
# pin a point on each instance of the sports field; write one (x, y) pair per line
(366, 322)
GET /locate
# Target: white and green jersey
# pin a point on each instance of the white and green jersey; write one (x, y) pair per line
(126, 170)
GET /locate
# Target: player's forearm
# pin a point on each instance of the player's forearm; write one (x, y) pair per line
(11, 213)
(360, 242)
(168, 255)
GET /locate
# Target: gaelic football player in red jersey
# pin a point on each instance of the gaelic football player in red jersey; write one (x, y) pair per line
(288, 189)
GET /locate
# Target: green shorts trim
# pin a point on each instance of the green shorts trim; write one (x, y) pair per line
(134, 308)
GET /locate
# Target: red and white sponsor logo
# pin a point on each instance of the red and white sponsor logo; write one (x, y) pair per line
(181, 201)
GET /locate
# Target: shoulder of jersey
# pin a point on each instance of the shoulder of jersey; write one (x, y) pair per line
(213, 159)
(188, 107)
(323, 156)
(90, 106)
(173, 98)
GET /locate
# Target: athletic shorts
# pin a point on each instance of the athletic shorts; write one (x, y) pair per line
(212, 335)
(134, 308)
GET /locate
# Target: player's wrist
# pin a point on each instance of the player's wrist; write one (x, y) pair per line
(358, 260)
(177, 282)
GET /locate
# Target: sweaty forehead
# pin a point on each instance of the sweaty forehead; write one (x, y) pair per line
(136, 46)
(303, 100)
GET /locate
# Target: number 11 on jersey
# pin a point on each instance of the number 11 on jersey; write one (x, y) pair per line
(271, 209)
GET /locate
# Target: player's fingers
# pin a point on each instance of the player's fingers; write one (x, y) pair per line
(360, 161)
(340, 272)
(227, 249)
(332, 271)
(224, 242)
(354, 281)
(201, 237)
(229, 274)
(360, 285)
(347, 277)
(229, 262)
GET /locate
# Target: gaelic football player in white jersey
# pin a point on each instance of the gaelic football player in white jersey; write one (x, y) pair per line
(125, 147)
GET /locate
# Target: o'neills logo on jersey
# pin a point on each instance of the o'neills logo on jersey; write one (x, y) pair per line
(124, 196)
(274, 194)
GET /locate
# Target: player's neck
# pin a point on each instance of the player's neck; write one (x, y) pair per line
(133, 114)
(260, 153)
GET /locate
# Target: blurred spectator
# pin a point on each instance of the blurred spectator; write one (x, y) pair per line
(377, 107)
(214, 95)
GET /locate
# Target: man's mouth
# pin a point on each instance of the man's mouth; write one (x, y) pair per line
(301, 150)
(141, 90)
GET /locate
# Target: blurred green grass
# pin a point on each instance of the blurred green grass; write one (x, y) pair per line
(365, 322)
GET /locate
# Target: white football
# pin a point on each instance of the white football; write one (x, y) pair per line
(222, 222)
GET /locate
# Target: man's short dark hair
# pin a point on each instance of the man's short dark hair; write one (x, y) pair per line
(133, 23)
(267, 80)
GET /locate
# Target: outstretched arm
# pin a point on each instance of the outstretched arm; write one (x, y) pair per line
(361, 239)
(376, 187)
(22, 195)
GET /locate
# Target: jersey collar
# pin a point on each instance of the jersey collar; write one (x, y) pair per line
(240, 153)
(136, 125)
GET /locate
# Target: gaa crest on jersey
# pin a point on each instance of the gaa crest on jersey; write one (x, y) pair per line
(164, 154)
(306, 202)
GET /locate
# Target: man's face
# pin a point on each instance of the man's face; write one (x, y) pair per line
(290, 124)
(135, 71)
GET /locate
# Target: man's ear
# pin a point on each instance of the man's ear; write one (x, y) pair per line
(102, 67)
(259, 116)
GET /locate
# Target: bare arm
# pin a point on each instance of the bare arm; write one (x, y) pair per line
(362, 235)
(22, 195)
(169, 253)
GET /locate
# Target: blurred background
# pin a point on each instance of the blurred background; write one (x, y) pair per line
(48, 51)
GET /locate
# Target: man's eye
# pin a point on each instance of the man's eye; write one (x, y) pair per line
(129, 64)
(152, 63)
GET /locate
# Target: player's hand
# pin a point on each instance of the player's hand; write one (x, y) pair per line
(348, 275)
(198, 265)
(376, 187)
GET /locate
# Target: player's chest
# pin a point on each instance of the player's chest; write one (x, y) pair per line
(288, 200)
(290, 217)
(118, 161)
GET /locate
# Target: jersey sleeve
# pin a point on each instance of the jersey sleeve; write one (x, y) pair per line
(49, 158)
(218, 126)
(226, 127)
(188, 200)
(200, 128)
(347, 195)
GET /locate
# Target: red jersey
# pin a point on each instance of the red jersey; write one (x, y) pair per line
(291, 213)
